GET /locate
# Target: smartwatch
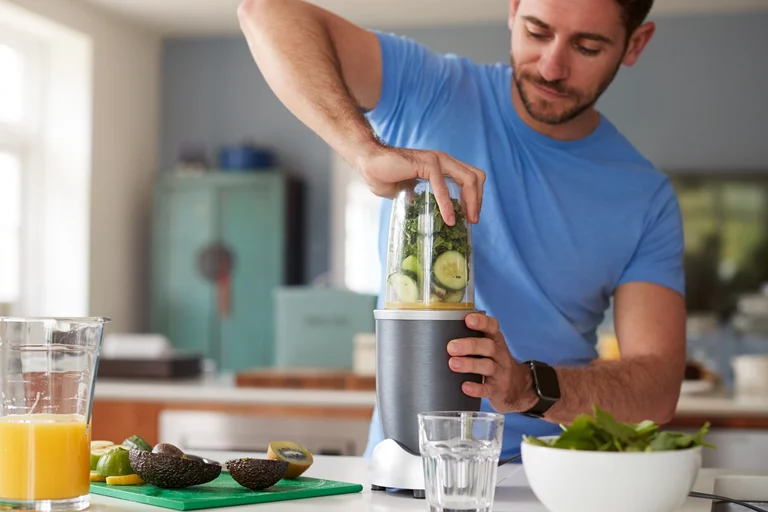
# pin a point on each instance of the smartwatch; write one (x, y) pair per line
(546, 387)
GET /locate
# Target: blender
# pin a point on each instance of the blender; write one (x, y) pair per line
(429, 293)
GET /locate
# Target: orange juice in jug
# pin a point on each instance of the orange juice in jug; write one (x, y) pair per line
(44, 457)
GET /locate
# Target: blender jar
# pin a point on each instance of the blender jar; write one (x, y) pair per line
(429, 263)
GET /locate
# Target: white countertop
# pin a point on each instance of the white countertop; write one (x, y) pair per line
(512, 495)
(222, 390)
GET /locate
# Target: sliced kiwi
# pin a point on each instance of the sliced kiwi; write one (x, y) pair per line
(298, 457)
(257, 474)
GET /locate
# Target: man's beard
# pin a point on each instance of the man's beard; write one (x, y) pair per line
(539, 110)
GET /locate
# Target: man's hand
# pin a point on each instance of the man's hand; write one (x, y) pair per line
(507, 383)
(383, 168)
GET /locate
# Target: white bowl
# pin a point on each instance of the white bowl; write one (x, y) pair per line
(588, 481)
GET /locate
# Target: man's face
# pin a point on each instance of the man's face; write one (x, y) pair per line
(565, 53)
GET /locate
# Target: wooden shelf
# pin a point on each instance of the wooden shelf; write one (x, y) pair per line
(306, 379)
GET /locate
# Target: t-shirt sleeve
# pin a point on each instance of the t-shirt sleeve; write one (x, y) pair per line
(659, 255)
(415, 80)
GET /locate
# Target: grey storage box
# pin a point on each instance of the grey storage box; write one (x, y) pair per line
(316, 326)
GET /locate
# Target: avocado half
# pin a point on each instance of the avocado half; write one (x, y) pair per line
(170, 472)
(256, 474)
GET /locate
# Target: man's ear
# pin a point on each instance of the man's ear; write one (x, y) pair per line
(638, 42)
(513, 4)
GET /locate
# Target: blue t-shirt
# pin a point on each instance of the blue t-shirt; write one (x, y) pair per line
(563, 223)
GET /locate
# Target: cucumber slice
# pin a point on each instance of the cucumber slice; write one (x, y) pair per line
(411, 264)
(405, 287)
(454, 296)
(450, 269)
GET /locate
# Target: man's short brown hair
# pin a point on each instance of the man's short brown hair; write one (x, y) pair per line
(635, 12)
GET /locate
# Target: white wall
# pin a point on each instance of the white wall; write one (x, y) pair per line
(126, 64)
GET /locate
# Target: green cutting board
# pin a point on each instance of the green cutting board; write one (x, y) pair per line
(224, 492)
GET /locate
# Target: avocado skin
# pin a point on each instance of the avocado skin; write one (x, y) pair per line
(137, 442)
(169, 472)
(256, 474)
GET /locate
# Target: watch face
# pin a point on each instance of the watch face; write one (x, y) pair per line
(546, 382)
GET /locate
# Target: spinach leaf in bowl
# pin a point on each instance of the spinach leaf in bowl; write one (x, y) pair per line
(601, 432)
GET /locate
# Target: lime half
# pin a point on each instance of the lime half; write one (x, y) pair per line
(99, 448)
(115, 463)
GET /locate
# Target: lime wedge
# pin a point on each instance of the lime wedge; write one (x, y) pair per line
(132, 479)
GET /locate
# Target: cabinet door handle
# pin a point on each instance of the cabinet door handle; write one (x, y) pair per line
(216, 262)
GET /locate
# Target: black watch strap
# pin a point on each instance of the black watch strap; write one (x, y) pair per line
(546, 387)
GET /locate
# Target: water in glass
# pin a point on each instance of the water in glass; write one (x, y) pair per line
(460, 453)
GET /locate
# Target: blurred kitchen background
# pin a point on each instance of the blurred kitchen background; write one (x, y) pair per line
(148, 174)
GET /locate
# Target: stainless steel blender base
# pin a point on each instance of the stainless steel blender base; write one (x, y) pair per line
(393, 468)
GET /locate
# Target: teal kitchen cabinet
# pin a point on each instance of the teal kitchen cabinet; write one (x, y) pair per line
(221, 245)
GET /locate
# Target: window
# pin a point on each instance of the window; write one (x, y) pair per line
(725, 220)
(46, 72)
(10, 226)
(15, 122)
(19, 127)
(12, 85)
(361, 256)
(355, 214)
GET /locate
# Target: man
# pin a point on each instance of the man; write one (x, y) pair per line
(572, 214)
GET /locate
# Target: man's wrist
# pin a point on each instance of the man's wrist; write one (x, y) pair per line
(527, 397)
(361, 147)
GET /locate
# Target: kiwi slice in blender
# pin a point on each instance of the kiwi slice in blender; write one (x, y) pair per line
(298, 458)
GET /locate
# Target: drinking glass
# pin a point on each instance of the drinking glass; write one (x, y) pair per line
(460, 453)
(48, 369)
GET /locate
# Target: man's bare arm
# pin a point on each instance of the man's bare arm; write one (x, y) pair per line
(644, 384)
(326, 71)
(323, 68)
